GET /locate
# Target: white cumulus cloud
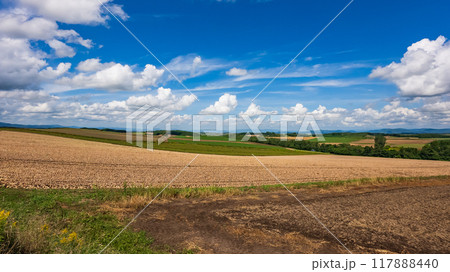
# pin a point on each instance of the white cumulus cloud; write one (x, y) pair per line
(164, 99)
(113, 77)
(236, 72)
(50, 73)
(322, 113)
(21, 105)
(74, 11)
(92, 65)
(391, 114)
(440, 106)
(423, 71)
(298, 109)
(19, 64)
(224, 105)
(254, 110)
(21, 24)
(61, 49)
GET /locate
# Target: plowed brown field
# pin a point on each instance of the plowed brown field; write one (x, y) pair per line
(40, 161)
(393, 218)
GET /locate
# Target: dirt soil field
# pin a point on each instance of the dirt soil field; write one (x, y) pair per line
(411, 218)
(41, 161)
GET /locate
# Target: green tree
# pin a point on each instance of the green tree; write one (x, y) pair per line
(380, 141)
(428, 153)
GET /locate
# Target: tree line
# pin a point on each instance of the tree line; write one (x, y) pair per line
(436, 150)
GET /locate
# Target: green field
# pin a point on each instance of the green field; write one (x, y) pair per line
(202, 147)
(204, 137)
(183, 142)
(228, 148)
(344, 138)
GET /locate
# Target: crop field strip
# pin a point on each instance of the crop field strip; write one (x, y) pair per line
(189, 146)
(41, 161)
(399, 141)
(221, 144)
(368, 140)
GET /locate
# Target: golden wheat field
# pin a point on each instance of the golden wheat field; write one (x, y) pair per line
(40, 161)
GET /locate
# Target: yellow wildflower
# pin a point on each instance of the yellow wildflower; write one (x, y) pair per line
(64, 231)
(72, 237)
(44, 228)
(4, 215)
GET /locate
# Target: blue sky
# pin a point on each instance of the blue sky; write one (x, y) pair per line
(73, 64)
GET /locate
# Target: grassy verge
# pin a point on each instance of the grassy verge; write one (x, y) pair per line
(76, 221)
(210, 191)
(63, 221)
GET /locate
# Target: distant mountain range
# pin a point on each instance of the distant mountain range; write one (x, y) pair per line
(411, 131)
(384, 130)
(29, 126)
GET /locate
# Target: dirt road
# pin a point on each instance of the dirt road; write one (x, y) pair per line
(402, 219)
